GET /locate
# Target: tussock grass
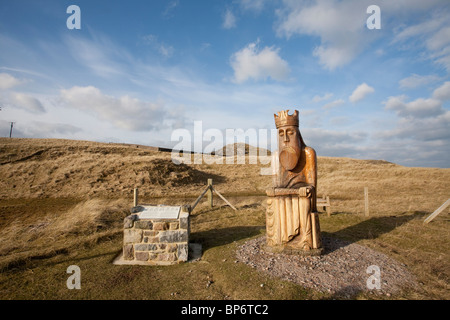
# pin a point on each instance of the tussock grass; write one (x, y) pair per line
(86, 223)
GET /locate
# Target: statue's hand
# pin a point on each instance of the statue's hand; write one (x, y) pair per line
(305, 191)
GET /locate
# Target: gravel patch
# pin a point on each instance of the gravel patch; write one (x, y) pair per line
(342, 270)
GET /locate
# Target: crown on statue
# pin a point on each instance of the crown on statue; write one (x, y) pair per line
(285, 119)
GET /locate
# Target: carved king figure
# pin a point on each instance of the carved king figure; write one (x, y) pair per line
(292, 221)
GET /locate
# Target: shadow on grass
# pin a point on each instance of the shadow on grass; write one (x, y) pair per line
(218, 237)
(113, 253)
(371, 228)
(345, 293)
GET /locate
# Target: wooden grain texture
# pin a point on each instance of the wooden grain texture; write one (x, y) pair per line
(437, 212)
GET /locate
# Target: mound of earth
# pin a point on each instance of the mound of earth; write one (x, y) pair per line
(342, 270)
(165, 172)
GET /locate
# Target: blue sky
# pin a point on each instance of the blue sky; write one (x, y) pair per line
(138, 70)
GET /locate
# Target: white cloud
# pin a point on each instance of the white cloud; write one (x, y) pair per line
(419, 108)
(251, 63)
(252, 5)
(7, 81)
(205, 46)
(38, 129)
(416, 80)
(380, 52)
(333, 104)
(443, 92)
(124, 112)
(425, 27)
(340, 26)
(360, 92)
(168, 11)
(100, 55)
(318, 98)
(229, 20)
(432, 34)
(335, 143)
(422, 132)
(440, 39)
(421, 128)
(26, 102)
(164, 49)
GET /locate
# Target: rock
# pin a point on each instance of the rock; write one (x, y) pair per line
(183, 250)
(173, 236)
(128, 221)
(141, 256)
(132, 235)
(128, 252)
(143, 224)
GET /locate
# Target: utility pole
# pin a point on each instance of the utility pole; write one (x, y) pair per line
(10, 131)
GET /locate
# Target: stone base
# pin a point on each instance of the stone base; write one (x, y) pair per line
(195, 254)
(150, 240)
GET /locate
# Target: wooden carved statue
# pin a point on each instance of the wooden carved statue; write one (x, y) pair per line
(292, 222)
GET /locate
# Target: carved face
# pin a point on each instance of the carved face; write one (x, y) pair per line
(289, 146)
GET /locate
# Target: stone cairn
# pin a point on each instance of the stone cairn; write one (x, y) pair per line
(156, 241)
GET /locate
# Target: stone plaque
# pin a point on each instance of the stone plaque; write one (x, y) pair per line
(160, 212)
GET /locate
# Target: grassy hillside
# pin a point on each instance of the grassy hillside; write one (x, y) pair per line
(62, 202)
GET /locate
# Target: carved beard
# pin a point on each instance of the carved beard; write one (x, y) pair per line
(289, 157)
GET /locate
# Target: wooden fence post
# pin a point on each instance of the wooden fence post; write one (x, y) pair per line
(198, 199)
(366, 201)
(437, 212)
(210, 189)
(223, 198)
(210, 193)
(135, 197)
(329, 207)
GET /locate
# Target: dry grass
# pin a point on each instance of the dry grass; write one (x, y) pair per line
(53, 234)
(62, 202)
(79, 169)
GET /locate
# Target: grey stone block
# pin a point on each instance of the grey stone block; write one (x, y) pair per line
(145, 247)
(173, 236)
(143, 224)
(129, 220)
(137, 209)
(184, 220)
(183, 251)
(141, 247)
